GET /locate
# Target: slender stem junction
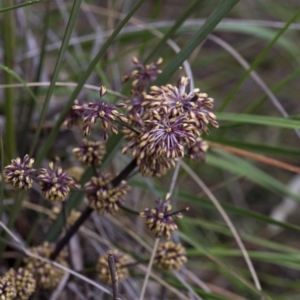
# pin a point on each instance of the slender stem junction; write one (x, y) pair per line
(87, 212)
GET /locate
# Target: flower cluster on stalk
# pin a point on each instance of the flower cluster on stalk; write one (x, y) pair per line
(89, 152)
(121, 261)
(162, 124)
(7, 289)
(55, 183)
(170, 256)
(23, 281)
(46, 275)
(19, 173)
(93, 111)
(160, 219)
(103, 196)
(167, 121)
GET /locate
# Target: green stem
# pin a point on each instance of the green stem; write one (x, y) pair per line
(32, 103)
(9, 48)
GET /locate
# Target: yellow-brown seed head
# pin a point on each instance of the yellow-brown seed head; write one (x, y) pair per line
(46, 275)
(170, 256)
(121, 260)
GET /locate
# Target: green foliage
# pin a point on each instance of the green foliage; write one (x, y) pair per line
(94, 48)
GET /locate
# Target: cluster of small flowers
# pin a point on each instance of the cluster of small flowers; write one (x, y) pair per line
(17, 285)
(91, 112)
(54, 182)
(103, 196)
(121, 263)
(46, 275)
(165, 121)
(162, 124)
(159, 220)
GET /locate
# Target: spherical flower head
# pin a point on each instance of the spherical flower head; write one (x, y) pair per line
(7, 289)
(121, 260)
(46, 275)
(170, 256)
(167, 137)
(153, 165)
(55, 183)
(149, 164)
(23, 281)
(89, 153)
(160, 219)
(198, 149)
(93, 111)
(194, 105)
(143, 75)
(19, 172)
(102, 196)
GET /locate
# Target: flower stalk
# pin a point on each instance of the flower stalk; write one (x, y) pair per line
(88, 211)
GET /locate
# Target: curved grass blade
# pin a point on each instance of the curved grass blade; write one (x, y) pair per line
(240, 166)
(32, 104)
(259, 120)
(204, 203)
(63, 48)
(82, 80)
(258, 60)
(8, 32)
(75, 198)
(264, 149)
(189, 10)
(211, 22)
(17, 77)
(22, 5)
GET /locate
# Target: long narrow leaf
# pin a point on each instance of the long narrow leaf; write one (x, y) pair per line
(211, 22)
(82, 81)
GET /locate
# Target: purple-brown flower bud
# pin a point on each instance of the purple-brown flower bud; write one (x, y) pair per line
(102, 196)
(19, 172)
(121, 260)
(23, 281)
(90, 153)
(198, 149)
(7, 289)
(160, 219)
(170, 256)
(55, 183)
(46, 275)
(93, 111)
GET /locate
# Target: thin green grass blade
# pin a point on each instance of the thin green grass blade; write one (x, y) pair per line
(185, 196)
(2, 10)
(8, 32)
(18, 78)
(258, 60)
(263, 149)
(75, 198)
(189, 10)
(82, 80)
(211, 22)
(259, 120)
(228, 269)
(32, 104)
(277, 87)
(218, 228)
(63, 48)
(242, 167)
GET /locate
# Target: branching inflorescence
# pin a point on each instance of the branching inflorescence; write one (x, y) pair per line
(161, 124)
